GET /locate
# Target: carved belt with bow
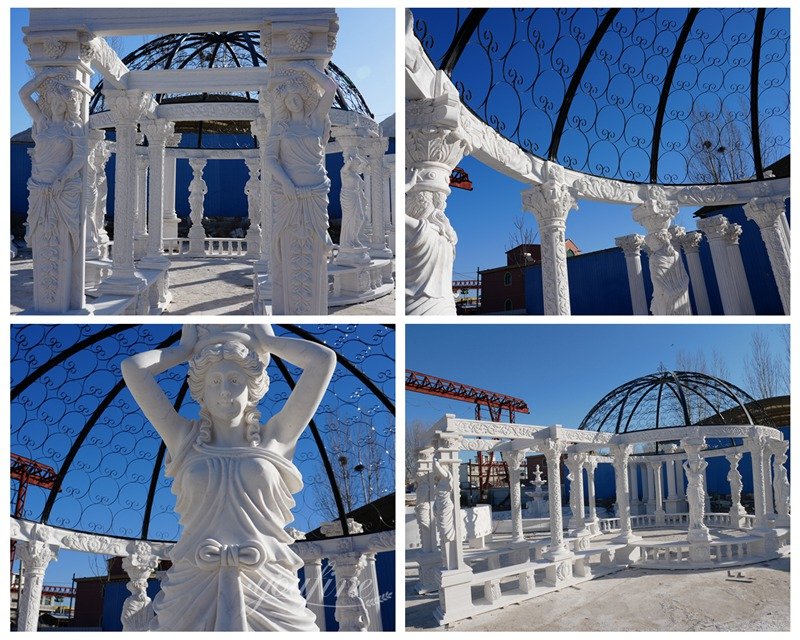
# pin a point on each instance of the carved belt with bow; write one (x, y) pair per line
(229, 560)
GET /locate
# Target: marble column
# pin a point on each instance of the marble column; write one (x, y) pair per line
(647, 489)
(781, 482)
(197, 193)
(550, 203)
(371, 594)
(140, 236)
(158, 132)
(592, 521)
(715, 228)
(672, 497)
(621, 455)
(128, 108)
(388, 200)
(139, 565)
(658, 491)
(737, 511)
(690, 243)
(577, 520)
(375, 150)
(170, 224)
(706, 494)
(35, 556)
(91, 181)
(695, 466)
(435, 143)
(669, 278)
(633, 480)
(351, 611)
(768, 214)
(297, 177)
(252, 190)
(455, 577)
(732, 234)
(56, 231)
(514, 461)
(430, 560)
(314, 588)
(631, 246)
(769, 499)
(558, 552)
(259, 127)
(757, 446)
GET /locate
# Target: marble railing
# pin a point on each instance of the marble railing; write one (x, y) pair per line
(349, 579)
(228, 247)
(733, 551)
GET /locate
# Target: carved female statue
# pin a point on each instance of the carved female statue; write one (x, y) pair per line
(295, 153)
(670, 281)
(354, 203)
(430, 253)
(54, 189)
(233, 568)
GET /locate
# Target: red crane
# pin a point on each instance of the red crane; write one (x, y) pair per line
(28, 472)
(495, 402)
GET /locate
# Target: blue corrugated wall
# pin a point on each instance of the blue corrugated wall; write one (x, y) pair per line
(598, 281)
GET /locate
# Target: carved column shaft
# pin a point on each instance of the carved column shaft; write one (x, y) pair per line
(575, 466)
(758, 456)
(550, 203)
(197, 192)
(252, 190)
(735, 482)
(376, 148)
(259, 128)
(91, 182)
(769, 499)
(768, 214)
(447, 504)
(170, 223)
(658, 492)
(632, 245)
(351, 611)
(715, 229)
(140, 236)
(781, 482)
(732, 234)
(591, 466)
(690, 243)
(423, 508)
(514, 459)
(695, 467)
(157, 132)
(435, 144)
(669, 278)
(35, 556)
(139, 565)
(128, 107)
(353, 249)
(621, 459)
(552, 453)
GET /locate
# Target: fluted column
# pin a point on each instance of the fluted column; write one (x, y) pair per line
(435, 144)
(690, 243)
(621, 455)
(375, 149)
(658, 492)
(139, 566)
(781, 482)
(715, 228)
(732, 234)
(514, 461)
(550, 203)
(670, 280)
(197, 193)
(768, 214)
(314, 588)
(631, 246)
(157, 132)
(35, 556)
(672, 498)
(140, 236)
(128, 108)
(252, 190)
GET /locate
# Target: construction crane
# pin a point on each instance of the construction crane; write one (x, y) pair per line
(495, 403)
(28, 472)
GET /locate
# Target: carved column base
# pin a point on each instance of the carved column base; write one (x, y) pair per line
(197, 242)
(140, 246)
(352, 257)
(455, 595)
(430, 565)
(128, 284)
(558, 573)
(699, 552)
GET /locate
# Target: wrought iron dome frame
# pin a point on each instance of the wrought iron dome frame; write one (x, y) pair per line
(606, 92)
(223, 49)
(668, 399)
(70, 409)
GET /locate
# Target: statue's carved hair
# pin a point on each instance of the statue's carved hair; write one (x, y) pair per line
(257, 385)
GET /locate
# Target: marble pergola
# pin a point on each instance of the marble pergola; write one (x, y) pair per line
(441, 130)
(473, 580)
(293, 262)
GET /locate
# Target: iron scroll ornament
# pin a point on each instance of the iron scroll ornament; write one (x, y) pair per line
(71, 411)
(673, 96)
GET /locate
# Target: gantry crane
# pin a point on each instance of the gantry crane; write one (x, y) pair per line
(493, 401)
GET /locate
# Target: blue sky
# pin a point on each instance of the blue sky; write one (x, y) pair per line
(561, 371)
(364, 51)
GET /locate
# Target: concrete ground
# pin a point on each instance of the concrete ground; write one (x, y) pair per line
(213, 286)
(637, 600)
